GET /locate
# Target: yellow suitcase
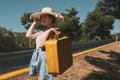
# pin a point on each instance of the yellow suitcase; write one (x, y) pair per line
(58, 55)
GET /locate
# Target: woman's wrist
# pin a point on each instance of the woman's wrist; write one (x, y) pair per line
(34, 23)
(49, 30)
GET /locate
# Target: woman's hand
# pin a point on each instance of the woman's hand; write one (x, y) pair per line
(55, 30)
(36, 21)
(29, 33)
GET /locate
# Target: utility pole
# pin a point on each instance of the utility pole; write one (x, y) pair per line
(116, 38)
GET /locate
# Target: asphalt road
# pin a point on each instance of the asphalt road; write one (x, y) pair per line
(11, 61)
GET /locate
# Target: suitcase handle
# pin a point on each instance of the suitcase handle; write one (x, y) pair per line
(57, 34)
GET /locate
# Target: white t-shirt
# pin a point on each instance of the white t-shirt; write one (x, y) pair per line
(39, 38)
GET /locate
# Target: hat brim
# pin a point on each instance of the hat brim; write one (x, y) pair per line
(38, 14)
(58, 19)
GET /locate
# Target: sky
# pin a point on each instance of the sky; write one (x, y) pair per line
(11, 11)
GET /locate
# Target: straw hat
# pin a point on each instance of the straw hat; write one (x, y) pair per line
(47, 10)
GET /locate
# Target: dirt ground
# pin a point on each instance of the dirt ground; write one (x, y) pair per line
(101, 64)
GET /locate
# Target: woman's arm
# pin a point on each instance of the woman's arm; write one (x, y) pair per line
(47, 34)
(29, 33)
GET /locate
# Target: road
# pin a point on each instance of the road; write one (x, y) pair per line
(11, 61)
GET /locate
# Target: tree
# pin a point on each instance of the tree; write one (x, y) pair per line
(113, 7)
(71, 26)
(25, 20)
(23, 42)
(99, 24)
(7, 39)
(91, 23)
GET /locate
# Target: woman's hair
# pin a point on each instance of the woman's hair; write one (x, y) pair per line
(50, 16)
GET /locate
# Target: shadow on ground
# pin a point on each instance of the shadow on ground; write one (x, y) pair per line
(110, 67)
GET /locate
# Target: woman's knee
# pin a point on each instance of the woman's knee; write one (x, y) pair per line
(39, 78)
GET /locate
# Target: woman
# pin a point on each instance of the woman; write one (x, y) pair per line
(48, 19)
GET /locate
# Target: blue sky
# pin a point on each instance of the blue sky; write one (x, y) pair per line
(12, 10)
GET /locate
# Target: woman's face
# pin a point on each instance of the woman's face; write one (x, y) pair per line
(46, 20)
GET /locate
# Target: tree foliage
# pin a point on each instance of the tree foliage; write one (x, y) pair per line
(25, 20)
(13, 40)
(7, 39)
(23, 42)
(113, 7)
(71, 26)
(99, 24)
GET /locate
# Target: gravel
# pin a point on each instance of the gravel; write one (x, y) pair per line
(101, 64)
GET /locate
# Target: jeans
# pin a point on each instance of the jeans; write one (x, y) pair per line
(38, 64)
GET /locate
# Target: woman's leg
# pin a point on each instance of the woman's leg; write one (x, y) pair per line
(42, 67)
(39, 78)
